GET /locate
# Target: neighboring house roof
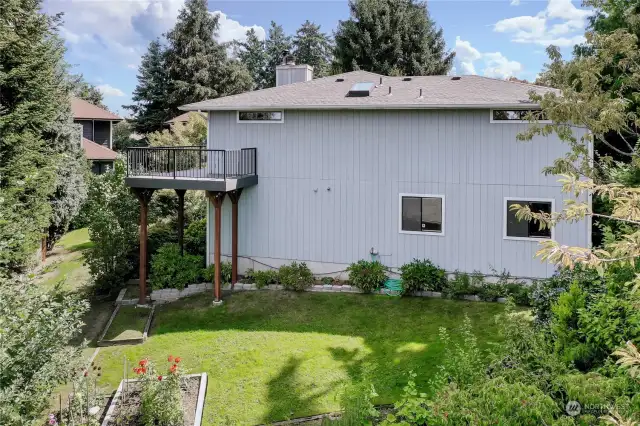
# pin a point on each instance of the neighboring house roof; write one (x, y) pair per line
(438, 92)
(94, 151)
(83, 110)
(182, 118)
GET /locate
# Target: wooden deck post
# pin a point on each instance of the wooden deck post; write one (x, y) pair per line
(235, 197)
(216, 199)
(144, 196)
(180, 193)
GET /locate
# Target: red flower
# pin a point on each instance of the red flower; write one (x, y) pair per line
(170, 359)
(144, 370)
(178, 359)
(143, 363)
(159, 378)
(173, 368)
(86, 373)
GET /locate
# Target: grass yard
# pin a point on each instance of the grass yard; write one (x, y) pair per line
(277, 355)
(66, 262)
(128, 324)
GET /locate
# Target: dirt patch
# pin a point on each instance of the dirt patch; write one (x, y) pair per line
(128, 413)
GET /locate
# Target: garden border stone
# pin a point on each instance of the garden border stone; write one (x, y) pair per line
(199, 406)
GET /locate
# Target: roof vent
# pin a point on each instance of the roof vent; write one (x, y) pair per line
(406, 79)
(456, 78)
(339, 80)
(360, 89)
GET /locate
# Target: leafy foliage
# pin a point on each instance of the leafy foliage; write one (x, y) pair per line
(262, 278)
(35, 354)
(209, 273)
(112, 212)
(391, 37)
(366, 275)
(422, 275)
(461, 285)
(192, 133)
(171, 270)
(276, 44)
(195, 237)
(123, 136)
(253, 55)
(161, 399)
(86, 91)
(296, 276)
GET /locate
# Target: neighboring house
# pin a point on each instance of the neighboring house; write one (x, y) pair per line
(97, 133)
(359, 165)
(182, 118)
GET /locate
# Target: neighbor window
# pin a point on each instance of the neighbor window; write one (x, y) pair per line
(421, 213)
(260, 116)
(515, 228)
(515, 115)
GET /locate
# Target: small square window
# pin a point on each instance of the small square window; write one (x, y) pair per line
(421, 213)
(526, 229)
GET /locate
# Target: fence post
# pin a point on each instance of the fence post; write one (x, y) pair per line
(128, 160)
(174, 163)
(224, 165)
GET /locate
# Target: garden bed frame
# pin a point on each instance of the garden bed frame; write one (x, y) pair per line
(103, 342)
(202, 392)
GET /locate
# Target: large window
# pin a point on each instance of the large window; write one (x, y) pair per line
(422, 214)
(515, 115)
(523, 229)
(260, 116)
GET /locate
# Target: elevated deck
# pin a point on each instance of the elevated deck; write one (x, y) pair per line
(191, 168)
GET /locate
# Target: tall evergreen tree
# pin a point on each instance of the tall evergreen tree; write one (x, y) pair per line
(313, 47)
(277, 42)
(37, 136)
(150, 110)
(192, 55)
(254, 57)
(392, 37)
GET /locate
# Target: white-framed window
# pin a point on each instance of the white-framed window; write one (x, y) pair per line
(421, 214)
(505, 115)
(524, 230)
(260, 117)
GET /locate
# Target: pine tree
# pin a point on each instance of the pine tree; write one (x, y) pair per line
(275, 45)
(392, 37)
(192, 55)
(151, 94)
(254, 57)
(37, 133)
(313, 47)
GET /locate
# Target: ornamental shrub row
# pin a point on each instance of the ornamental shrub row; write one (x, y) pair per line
(295, 276)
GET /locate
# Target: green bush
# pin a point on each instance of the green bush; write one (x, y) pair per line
(170, 270)
(209, 273)
(262, 278)
(366, 275)
(296, 276)
(195, 237)
(461, 284)
(520, 292)
(160, 234)
(327, 280)
(422, 275)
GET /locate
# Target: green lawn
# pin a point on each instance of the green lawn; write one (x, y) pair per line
(128, 324)
(277, 355)
(76, 240)
(67, 262)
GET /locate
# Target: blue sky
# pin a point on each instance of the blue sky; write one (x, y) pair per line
(105, 38)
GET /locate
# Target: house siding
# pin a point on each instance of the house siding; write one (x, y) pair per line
(360, 161)
(87, 128)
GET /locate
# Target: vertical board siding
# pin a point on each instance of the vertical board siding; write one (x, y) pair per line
(329, 185)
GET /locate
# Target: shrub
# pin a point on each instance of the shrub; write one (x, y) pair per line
(461, 285)
(160, 397)
(422, 275)
(520, 292)
(209, 273)
(262, 278)
(195, 237)
(160, 234)
(367, 276)
(171, 270)
(296, 276)
(327, 280)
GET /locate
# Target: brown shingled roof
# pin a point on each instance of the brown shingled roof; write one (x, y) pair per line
(84, 110)
(182, 118)
(94, 151)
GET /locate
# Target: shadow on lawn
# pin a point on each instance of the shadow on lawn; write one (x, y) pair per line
(398, 335)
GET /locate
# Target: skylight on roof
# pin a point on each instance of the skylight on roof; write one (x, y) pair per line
(361, 89)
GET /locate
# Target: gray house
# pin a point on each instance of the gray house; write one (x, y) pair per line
(356, 165)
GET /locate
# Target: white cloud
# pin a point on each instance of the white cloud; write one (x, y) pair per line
(132, 66)
(108, 90)
(492, 64)
(561, 23)
(515, 2)
(233, 30)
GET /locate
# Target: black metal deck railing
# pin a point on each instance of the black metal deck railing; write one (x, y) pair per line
(191, 162)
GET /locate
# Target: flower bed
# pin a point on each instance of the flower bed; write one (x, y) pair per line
(172, 398)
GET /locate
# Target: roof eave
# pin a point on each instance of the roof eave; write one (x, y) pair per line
(194, 107)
